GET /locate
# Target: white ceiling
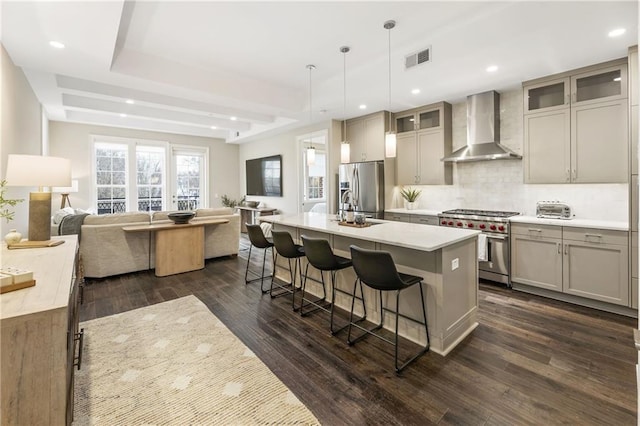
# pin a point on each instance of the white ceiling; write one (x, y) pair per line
(192, 65)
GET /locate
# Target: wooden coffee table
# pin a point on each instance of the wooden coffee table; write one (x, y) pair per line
(179, 248)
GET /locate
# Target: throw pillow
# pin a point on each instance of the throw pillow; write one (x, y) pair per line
(57, 216)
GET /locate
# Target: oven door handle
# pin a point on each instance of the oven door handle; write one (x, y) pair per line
(497, 237)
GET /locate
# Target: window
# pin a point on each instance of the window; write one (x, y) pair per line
(189, 168)
(135, 175)
(315, 178)
(150, 166)
(111, 177)
(117, 190)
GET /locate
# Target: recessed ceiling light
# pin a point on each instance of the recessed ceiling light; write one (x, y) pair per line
(130, 101)
(363, 106)
(213, 127)
(415, 91)
(492, 68)
(123, 115)
(617, 32)
(56, 44)
(233, 118)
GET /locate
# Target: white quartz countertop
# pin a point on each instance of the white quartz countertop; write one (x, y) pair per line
(416, 211)
(401, 234)
(578, 223)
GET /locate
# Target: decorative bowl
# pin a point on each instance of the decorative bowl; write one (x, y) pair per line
(252, 204)
(180, 218)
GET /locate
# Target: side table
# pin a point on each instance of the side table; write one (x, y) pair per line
(249, 215)
(179, 248)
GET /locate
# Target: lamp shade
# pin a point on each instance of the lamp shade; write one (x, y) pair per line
(311, 156)
(38, 170)
(390, 145)
(67, 189)
(345, 152)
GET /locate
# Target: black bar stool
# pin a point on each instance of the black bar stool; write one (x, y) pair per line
(258, 240)
(286, 248)
(377, 270)
(321, 257)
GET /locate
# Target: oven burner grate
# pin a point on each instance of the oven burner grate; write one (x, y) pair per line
(484, 213)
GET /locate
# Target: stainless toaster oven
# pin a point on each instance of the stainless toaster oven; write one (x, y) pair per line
(553, 210)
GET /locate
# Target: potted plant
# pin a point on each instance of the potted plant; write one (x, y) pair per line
(13, 236)
(410, 195)
(230, 202)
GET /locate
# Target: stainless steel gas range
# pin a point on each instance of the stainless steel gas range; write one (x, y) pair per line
(495, 263)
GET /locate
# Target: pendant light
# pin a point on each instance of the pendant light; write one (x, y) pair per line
(311, 151)
(345, 148)
(390, 137)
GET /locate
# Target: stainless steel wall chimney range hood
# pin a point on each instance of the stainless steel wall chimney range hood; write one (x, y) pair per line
(483, 131)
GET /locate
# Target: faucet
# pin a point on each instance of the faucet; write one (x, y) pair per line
(346, 194)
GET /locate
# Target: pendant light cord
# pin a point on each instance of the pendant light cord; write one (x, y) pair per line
(344, 91)
(390, 77)
(311, 68)
(344, 50)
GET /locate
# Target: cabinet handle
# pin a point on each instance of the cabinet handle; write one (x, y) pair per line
(567, 99)
(566, 249)
(587, 236)
(535, 230)
(559, 250)
(568, 175)
(575, 174)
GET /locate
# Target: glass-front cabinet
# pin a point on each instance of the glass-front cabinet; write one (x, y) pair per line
(576, 126)
(601, 85)
(605, 84)
(547, 96)
(419, 119)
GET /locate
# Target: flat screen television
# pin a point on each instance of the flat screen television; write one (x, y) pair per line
(264, 176)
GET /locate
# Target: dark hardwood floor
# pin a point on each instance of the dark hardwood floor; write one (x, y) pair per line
(530, 361)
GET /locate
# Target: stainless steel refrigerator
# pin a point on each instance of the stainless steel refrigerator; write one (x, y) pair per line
(362, 186)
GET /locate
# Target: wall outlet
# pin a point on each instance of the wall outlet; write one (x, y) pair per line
(455, 263)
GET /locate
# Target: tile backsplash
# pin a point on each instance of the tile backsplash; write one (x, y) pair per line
(498, 184)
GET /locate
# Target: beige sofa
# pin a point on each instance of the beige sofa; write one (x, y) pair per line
(108, 250)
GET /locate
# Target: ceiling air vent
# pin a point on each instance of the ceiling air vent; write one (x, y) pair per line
(417, 58)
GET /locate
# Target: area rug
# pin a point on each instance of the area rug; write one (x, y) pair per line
(175, 363)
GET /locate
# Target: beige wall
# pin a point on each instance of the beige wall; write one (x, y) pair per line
(21, 127)
(285, 144)
(71, 140)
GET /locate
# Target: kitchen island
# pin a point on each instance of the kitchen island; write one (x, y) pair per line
(445, 257)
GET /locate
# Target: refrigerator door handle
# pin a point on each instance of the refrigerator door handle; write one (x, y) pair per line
(356, 189)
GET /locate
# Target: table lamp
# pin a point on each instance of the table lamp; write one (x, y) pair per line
(40, 171)
(65, 191)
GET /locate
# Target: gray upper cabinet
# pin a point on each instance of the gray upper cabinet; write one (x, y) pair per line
(576, 126)
(366, 137)
(423, 138)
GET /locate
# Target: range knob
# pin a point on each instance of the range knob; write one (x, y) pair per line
(450, 223)
(444, 222)
(482, 226)
(492, 227)
(469, 225)
(459, 224)
(500, 228)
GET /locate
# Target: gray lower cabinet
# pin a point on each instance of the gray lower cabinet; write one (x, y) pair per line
(425, 219)
(412, 218)
(590, 263)
(398, 217)
(536, 256)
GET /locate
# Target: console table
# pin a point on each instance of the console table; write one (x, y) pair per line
(40, 336)
(249, 215)
(179, 247)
